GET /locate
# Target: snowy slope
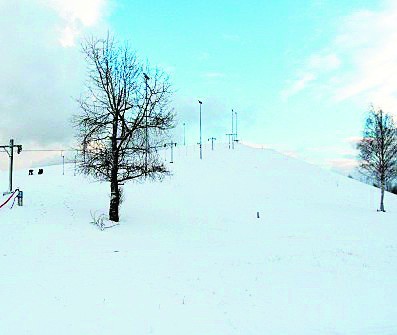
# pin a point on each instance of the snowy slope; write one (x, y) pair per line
(191, 257)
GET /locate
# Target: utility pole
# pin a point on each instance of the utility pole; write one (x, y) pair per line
(201, 143)
(232, 129)
(9, 149)
(230, 136)
(146, 124)
(184, 133)
(212, 142)
(63, 163)
(172, 144)
(235, 113)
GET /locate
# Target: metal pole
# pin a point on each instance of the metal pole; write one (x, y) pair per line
(230, 137)
(201, 144)
(184, 133)
(63, 163)
(212, 142)
(232, 129)
(172, 152)
(236, 128)
(11, 161)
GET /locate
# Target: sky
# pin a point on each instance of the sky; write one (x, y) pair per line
(301, 75)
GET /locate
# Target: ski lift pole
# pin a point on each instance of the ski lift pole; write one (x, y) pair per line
(172, 144)
(230, 138)
(212, 139)
(63, 163)
(9, 149)
(232, 129)
(201, 142)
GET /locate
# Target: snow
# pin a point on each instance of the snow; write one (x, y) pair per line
(191, 257)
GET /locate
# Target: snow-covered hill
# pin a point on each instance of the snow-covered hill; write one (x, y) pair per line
(191, 257)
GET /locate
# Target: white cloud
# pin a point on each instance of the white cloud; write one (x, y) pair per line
(324, 62)
(88, 12)
(68, 36)
(75, 16)
(315, 66)
(362, 66)
(39, 77)
(353, 140)
(298, 85)
(343, 164)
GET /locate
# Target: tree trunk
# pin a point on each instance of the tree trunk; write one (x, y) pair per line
(382, 195)
(114, 201)
(114, 182)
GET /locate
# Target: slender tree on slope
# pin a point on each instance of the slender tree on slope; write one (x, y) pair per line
(378, 150)
(125, 117)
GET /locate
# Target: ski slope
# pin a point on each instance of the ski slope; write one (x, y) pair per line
(191, 257)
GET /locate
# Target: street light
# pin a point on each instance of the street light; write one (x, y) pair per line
(63, 163)
(212, 139)
(172, 144)
(232, 129)
(230, 137)
(236, 127)
(201, 144)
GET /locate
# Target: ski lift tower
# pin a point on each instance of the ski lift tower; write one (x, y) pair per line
(9, 149)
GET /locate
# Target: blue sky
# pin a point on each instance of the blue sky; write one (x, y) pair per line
(246, 55)
(300, 74)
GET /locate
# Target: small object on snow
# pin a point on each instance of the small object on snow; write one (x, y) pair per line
(20, 198)
(41, 171)
(31, 172)
(257, 215)
(116, 251)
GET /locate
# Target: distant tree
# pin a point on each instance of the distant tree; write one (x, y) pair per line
(378, 150)
(393, 189)
(125, 117)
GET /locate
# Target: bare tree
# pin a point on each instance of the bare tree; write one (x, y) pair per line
(378, 150)
(125, 118)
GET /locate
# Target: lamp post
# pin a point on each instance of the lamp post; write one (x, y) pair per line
(172, 144)
(235, 113)
(212, 139)
(63, 163)
(230, 136)
(201, 144)
(232, 129)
